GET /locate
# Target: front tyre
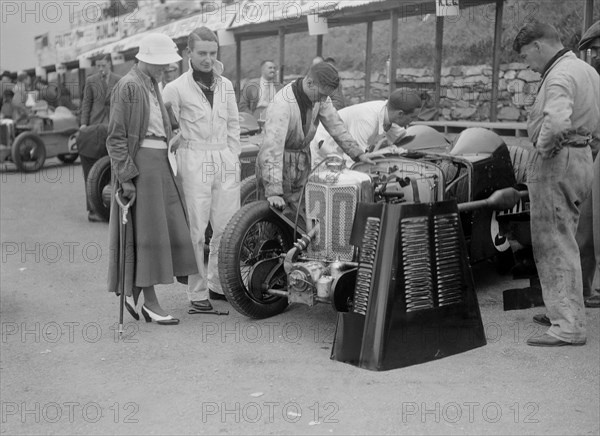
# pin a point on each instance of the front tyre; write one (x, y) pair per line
(251, 246)
(28, 152)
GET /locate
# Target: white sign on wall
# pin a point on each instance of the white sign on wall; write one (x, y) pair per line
(446, 8)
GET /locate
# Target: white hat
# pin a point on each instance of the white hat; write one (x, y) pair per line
(158, 49)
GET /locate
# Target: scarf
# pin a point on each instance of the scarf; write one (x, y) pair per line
(207, 83)
(302, 99)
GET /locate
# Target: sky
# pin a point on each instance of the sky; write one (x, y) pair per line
(21, 21)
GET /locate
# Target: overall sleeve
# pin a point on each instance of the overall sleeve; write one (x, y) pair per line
(124, 97)
(170, 95)
(86, 104)
(335, 126)
(270, 155)
(557, 114)
(233, 122)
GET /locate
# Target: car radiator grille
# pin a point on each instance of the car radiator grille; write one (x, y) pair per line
(334, 208)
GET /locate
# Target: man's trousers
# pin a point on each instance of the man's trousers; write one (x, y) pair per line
(557, 188)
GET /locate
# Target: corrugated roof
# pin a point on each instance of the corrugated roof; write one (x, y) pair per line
(343, 4)
(177, 29)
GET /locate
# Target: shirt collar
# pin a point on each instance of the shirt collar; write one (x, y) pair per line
(218, 68)
(381, 118)
(551, 62)
(145, 78)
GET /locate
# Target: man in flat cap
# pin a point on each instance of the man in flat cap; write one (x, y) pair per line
(589, 234)
(591, 41)
(367, 121)
(284, 160)
(564, 127)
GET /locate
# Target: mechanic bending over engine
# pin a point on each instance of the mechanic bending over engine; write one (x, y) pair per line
(564, 127)
(367, 121)
(283, 162)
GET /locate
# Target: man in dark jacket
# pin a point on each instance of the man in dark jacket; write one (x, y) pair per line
(258, 93)
(95, 109)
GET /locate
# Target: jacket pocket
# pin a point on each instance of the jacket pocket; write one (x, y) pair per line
(192, 113)
(222, 113)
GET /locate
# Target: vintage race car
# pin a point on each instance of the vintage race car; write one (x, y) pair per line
(45, 135)
(263, 269)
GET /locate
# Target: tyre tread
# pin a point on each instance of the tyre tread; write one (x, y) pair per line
(230, 280)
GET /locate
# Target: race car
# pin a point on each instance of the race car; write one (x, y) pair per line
(45, 135)
(267, 261)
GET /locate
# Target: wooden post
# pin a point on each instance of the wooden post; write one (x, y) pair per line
(368, 50)
(238, 65)
(393, 49)
(437, 68)
(496, 60)
(320, 45)
(281, 53)
(588, 15)
(81, 82)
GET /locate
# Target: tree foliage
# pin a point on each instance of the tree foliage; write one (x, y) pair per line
(468, 39)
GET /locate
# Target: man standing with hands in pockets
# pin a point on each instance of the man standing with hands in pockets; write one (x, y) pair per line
(205, 105)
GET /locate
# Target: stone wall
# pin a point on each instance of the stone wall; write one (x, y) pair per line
(466, 90)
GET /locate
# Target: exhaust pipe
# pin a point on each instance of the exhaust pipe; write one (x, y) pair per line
(300, 245)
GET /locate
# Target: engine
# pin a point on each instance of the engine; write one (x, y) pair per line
(422, 171)
(332, 195)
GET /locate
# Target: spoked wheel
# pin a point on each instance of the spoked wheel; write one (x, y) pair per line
(249, 260)
(28, 152)
(248, 194)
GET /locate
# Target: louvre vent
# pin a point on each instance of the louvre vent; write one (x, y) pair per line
(364, 276)
(448, 259)
(416, 262)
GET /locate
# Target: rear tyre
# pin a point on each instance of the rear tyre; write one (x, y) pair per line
(68, 158)
(98, 180)
(252, 242)
(248, 191)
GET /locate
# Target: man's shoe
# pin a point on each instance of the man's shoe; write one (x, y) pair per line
(550, 341)
(201, 305)
(592, 301)
(542, 319)
(95, 218)
(216, 296)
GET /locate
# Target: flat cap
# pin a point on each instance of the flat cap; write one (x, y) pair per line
(592, 33)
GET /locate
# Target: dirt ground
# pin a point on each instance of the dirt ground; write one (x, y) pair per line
(64, 371)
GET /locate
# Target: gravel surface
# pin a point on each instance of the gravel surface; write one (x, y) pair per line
(64, 371)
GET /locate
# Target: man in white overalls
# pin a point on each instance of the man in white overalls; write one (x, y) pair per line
(204, 103)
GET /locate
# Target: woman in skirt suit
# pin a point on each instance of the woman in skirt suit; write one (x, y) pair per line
(158, 244)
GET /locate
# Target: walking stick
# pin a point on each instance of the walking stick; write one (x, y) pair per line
(124, 208)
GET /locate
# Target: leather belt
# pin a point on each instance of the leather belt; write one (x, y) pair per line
(157, 138)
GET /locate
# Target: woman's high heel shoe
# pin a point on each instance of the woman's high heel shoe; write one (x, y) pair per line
(150, 316)
(132, 307)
